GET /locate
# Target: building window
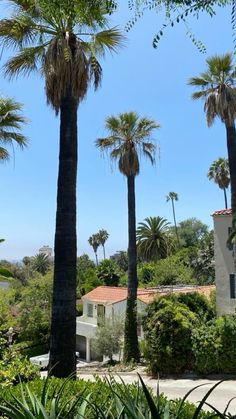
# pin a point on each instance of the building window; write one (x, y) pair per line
(90, 310)
(232, 286)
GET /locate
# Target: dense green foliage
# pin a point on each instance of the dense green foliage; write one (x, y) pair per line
(168, 337)
(214, 346)
(108, 272)
(102, 399)
(15, 368)
(34, 310)
(121, 259)
(168, 328)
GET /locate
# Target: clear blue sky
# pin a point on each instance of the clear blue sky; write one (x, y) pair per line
(151, 82)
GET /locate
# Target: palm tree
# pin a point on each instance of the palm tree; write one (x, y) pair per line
(11, 122)
(219, 173)
(128, 136)
(94, 241)
(217, 87)
(152, 238)
(173, 196)
(40, 263)
(103, 236)
(62, 39)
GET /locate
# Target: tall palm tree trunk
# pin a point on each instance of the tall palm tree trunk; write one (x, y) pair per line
(96, 257)
(176, 229)
(131, 348)
(104, 254)
(225, 197)
(231, 147)
(63, 322)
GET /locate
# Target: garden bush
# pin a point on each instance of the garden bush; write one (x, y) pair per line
(167, 329)
(15, 368)
(214, 346)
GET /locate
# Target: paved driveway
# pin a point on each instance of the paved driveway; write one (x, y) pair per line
(178, 388)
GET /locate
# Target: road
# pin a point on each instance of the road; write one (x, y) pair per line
(178, 388)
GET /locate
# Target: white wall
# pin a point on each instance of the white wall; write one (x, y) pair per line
(224, 265)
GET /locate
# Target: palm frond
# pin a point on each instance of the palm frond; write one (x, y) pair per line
(198, 81)
(9, 137)
(110, 39)
(95, 71)
(107, 142)
(199, 95)
(18, 32)
(26, 61)
(4, 155)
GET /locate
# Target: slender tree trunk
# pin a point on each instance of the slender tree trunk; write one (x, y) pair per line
(96, 257)
(231, 146)
(225, 197)
(63, 323)
(176, 229)
(104, 254)
(131, 348)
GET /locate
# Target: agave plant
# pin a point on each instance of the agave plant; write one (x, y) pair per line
(49, 405)
(119, 402)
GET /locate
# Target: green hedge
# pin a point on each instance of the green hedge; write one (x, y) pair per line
(214, 346)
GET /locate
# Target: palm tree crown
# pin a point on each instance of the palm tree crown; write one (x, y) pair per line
(217, 87)
(103, 236)
(11, 122)
(95, 243)
(173, 196)
(62, 42)
(128, 137)
(219, 173)
(152, 238)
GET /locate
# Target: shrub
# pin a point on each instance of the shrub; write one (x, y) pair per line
(197, 303)
(168, 337)
(205, 346)
(15, 368)
(108, 338)
(171, 271)
(214, 346)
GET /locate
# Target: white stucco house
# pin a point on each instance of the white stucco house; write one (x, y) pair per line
(225, 272)
(107, 302)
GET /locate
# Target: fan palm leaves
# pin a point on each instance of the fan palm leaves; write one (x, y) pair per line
(219, 173)
(63, 40)
(173, 196)
(94, 241)
(216, 86)
(103, 236)
(11, 123)
(129, 138)
(152, 238)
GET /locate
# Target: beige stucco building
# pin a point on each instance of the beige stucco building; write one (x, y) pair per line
(224, 263)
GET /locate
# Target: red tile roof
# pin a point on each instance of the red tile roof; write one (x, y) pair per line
(112, 295)
(222, 212)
